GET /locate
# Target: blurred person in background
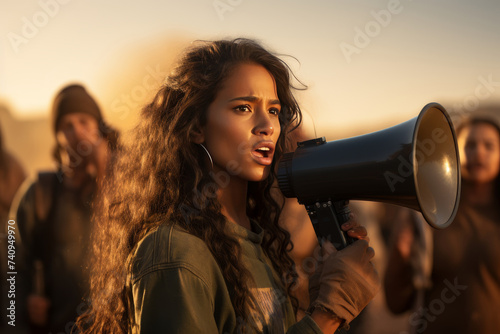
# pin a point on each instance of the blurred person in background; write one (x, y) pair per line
(451, 278)
(54, 213)
(12, 176)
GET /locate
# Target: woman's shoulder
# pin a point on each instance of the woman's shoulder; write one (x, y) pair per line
(168, 247)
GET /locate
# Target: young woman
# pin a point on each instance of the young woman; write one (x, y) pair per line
(187, 235)
(461, 293)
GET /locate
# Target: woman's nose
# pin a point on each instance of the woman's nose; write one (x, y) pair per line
(480, 152)
(264, 125)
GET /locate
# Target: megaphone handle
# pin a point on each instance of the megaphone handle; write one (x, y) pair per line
(327, 218)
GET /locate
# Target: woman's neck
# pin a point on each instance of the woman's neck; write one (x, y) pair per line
(478, 193)
(233, 199)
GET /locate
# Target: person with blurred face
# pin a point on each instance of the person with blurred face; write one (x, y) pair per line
(54, 213)
(460, 290)
(479, 145)
(81, 136)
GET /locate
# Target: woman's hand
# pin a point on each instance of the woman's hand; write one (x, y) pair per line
(345, 281)
(355, 230)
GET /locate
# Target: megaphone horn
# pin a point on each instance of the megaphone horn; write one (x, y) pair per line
(414, 164)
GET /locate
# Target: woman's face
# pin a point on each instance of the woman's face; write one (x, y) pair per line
(243, 125)
(479, 152)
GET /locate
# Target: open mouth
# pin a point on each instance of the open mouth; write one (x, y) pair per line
(262, 152)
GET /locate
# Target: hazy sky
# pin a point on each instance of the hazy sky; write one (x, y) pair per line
(365, 62)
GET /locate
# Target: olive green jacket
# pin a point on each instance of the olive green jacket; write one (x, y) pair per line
(176, 286)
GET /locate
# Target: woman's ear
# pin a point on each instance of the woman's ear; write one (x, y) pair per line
(197, 136)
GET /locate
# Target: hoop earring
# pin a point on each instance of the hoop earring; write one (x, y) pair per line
(209, 156)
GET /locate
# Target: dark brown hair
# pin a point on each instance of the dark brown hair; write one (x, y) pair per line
(155, 174)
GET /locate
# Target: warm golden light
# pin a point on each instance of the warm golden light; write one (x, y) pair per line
(447, 167)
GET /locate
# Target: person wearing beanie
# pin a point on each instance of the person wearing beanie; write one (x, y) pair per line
(54, 213)
(74, 99)
(82, 136)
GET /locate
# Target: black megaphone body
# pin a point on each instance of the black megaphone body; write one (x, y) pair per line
(414, 164)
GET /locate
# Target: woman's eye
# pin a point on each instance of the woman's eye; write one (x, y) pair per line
(274, 111)
(470, 145)
(242, 108)
(66, 127)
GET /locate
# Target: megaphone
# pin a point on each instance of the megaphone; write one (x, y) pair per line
(414, 164)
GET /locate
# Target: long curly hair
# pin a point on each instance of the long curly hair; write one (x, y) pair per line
(159, 169)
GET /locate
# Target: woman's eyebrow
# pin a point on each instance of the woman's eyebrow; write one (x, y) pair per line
(254, 99)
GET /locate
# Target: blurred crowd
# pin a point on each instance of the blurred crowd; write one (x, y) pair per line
(435, 281)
